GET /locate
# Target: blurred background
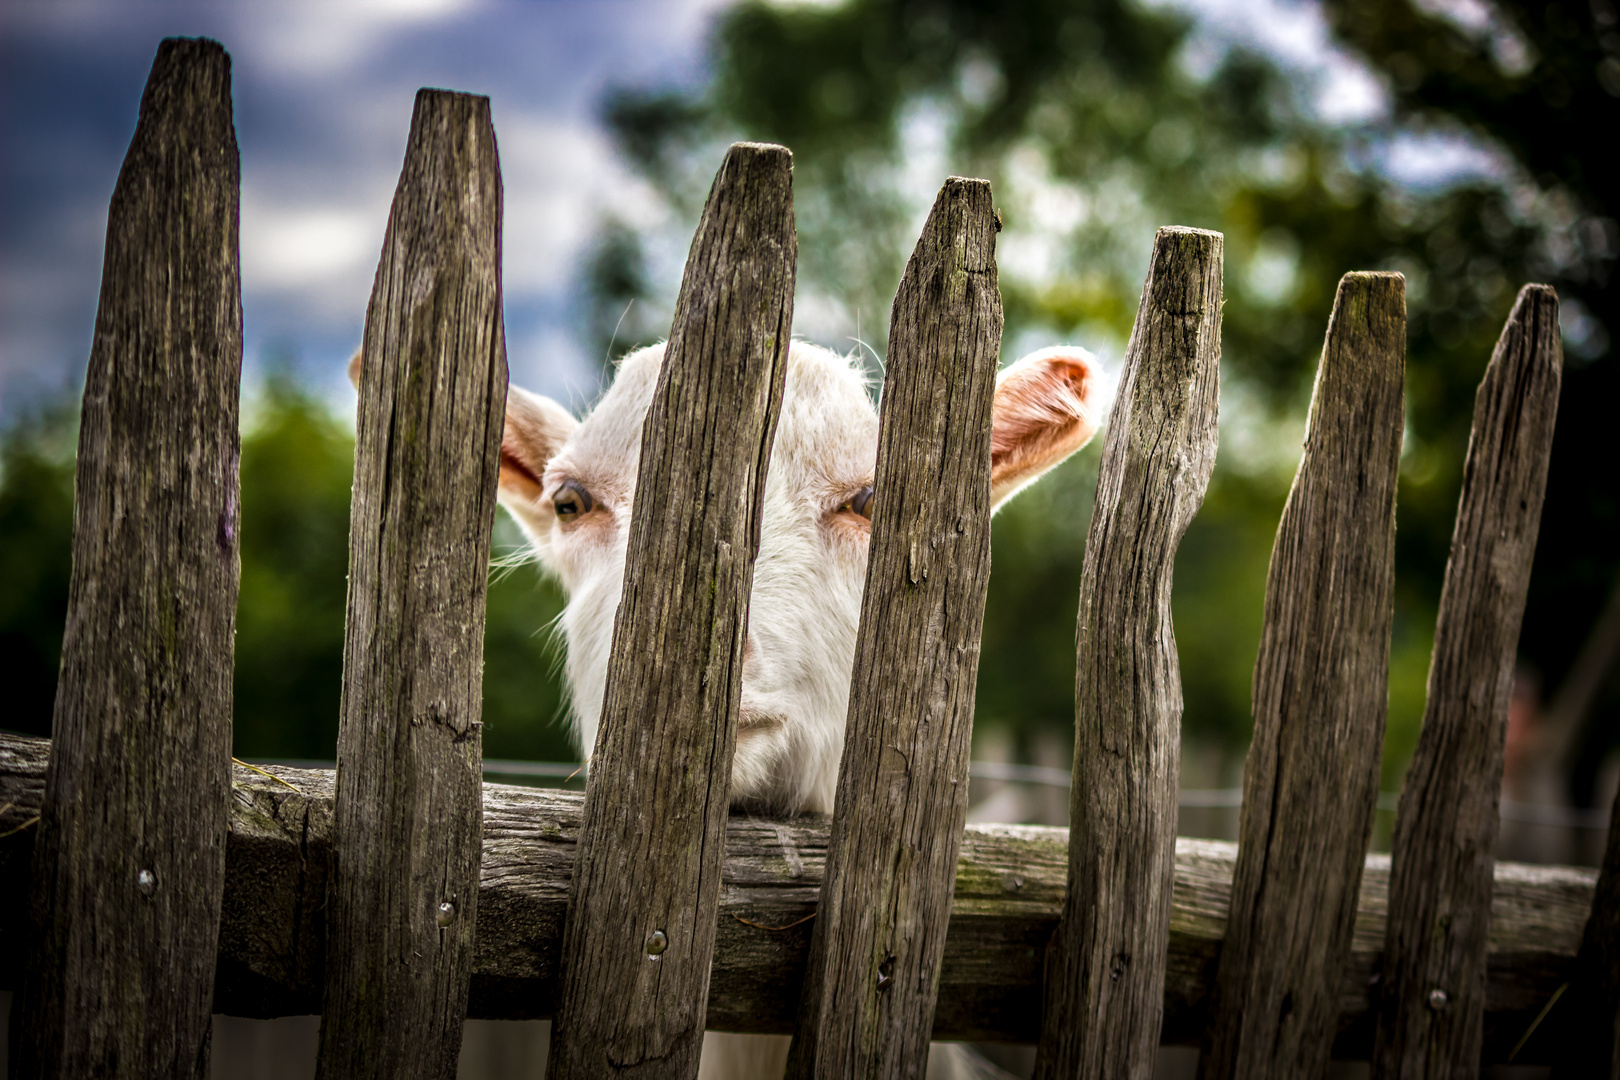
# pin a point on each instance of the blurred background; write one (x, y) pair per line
(1457, 141)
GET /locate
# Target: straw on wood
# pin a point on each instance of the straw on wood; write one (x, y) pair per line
(1590, 1029)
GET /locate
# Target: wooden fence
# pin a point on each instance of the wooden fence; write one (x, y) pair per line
(400, 895)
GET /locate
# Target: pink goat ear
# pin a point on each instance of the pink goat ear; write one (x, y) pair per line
(536, 428)
(1047, 406)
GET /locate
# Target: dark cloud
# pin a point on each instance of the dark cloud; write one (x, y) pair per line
(323, 96)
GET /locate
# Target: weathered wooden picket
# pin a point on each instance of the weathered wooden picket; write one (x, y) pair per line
(1310, 784)
(1106, 968)
(1440, 893)
(646, 883)
(867, 1005)
(427, 455)
(129, 861)
(401, 895)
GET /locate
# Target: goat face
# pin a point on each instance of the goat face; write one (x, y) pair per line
(571, 486)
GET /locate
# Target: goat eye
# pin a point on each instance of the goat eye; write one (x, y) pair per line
(861, 502)
(571, 501)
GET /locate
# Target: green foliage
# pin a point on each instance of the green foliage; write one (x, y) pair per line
(297, 464)
(36, 525)
(1095, 124)
(296, 468)
(1541, 82)
(525, 706)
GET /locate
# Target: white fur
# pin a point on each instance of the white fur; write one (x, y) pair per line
(811, 566)
(808, 576)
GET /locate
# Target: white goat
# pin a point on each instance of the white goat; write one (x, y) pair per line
(571, 485)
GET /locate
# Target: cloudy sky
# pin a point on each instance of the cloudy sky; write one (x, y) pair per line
(323, 94)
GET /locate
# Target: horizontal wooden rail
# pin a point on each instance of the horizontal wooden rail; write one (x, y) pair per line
(1009, 891)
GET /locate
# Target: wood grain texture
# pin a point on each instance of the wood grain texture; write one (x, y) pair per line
(640, 931)
(130, 864)
(1592, 1048)
(1310, 784)
(1010, 882)
(403, 896)
(868, 1003)
(1432, 1014)
(1106, 966)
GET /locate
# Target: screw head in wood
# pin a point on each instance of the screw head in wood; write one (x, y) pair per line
(445, 915)
(657, 942)
(1438, 999)
(146, 882)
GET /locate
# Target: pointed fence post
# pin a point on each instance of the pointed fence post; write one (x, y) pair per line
(646, 887)
(1432, 1014)
(1105, 967)
(403, 898)
(129, 866)
(1310, 785)
(867, 1007)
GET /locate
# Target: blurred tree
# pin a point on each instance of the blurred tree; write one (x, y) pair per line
(1539, 81)
(525, 703)
(1100, 119)
(36, 525)
(618, 310)
(1096, 120)
(297, 465)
